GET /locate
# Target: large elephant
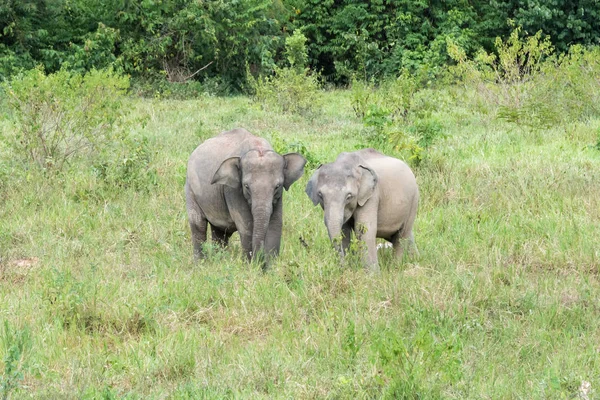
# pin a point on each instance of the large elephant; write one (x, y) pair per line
(235, 183)
(370, 193)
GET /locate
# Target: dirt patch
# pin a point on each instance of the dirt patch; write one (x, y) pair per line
(16, 270)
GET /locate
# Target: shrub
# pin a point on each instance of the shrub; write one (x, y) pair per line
(528, 85)
(291, 89)
(570, 85)
(66, 114)
(288, 91)
(395, 95)
(510, 81)
(296, 51)
(397, 116)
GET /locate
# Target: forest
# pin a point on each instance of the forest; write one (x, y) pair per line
(159, 41)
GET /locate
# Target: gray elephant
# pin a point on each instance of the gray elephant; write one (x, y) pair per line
(235, 182)
(370, 193)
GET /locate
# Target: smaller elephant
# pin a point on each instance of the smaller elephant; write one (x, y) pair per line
(235, 182)
(367, 192)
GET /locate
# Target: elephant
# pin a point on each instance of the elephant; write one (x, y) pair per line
(367, 192)
(235, 182)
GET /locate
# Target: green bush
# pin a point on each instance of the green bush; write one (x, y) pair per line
(397, 115)
(296, 51)
(290, 89)
(568, 84)
(64, 115)
(527, 84)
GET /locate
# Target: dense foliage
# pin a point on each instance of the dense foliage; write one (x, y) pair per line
(175, 40)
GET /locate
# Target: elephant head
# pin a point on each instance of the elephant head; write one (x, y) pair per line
(261, 176)
(339, 188)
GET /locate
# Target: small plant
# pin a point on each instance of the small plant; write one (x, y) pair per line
(378, 121)
(16, 344)
(129, 167)
(66, 298)
(408, 146)
(296, 51)
(66, 114)
(396, 95)
(362, 94)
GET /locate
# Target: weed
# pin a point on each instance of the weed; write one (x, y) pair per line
(16, 344)
(129, 166)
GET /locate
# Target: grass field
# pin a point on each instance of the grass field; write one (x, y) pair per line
(99, 297)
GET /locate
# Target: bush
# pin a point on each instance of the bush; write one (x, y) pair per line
(569, 84)
(64, 115)
(288, 91)
(291, 89)
(528, 85)
(397, 116)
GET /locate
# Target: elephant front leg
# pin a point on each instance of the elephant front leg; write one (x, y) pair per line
(246, 240)
(343, 246)
(346, 232)
(366, 233)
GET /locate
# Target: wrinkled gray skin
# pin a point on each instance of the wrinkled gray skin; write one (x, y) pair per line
(234, 183)
(367, 192)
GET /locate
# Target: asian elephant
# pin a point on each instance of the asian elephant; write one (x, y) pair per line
(235, 182)
(370, 193)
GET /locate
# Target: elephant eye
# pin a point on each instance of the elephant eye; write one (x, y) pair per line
(246, 186)
(320, 195)
(277, 186)
(349, 196)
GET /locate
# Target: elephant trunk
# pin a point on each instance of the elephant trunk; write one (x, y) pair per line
(261, 216)
(334, 219)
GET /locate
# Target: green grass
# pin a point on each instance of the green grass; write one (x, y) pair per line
(503, 302)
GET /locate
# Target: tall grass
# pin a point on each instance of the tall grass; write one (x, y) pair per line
(502, 303)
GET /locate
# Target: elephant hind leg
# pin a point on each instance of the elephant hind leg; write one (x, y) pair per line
(220, 236)
(198, 224)
(403, 241)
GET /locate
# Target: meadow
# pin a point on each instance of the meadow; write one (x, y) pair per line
(100, 297)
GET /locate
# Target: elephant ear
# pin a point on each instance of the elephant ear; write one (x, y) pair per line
(228, 173)
(311, 187)
(368, 182)
(293, 169)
